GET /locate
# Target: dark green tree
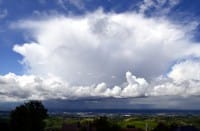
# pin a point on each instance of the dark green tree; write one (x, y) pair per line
(29, 117)
(104, 124)
(162, 127)
(4, 124)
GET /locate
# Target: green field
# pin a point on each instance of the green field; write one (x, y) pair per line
(55, 123)
(127, 122)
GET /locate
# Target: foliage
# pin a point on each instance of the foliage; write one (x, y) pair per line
(28, 117)
(162, 127)
(138, 123)
(4, 124)
(53, 123)
(114, 123)
(104, 124)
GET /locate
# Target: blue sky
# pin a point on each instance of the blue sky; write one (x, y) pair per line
(77, 49)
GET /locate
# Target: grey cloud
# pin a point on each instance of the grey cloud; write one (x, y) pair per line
(161, 102)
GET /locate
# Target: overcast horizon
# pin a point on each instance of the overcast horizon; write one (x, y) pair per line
(136, 54)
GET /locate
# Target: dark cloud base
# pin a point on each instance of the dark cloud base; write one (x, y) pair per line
(147, 103)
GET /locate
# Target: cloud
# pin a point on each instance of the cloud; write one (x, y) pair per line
(27, 87)
(159, 102)
(3, 13)
(158, 6)
(187, 70)
(102, 47)
(74, 57)
(183, 80)
(16, 88)
(136, 87)
(79, 4)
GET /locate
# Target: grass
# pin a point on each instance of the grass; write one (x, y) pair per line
(124, 122)
(138, 123)
(54, 123)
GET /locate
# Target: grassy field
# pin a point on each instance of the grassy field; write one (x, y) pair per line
(55, 123)
(124, 122)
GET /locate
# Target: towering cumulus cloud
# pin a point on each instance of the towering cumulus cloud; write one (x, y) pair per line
(72, 57)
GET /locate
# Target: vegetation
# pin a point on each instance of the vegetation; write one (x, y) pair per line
(28, 117)
(54, 123)
(32, 116)
(152, 123)
(104, 124)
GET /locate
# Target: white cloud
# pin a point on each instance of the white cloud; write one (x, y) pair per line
(182, 80)
(95, 47)
(26, 87)
(87, 55)
(135, 87)
(79, 4)
(159, 6)
(187, 70)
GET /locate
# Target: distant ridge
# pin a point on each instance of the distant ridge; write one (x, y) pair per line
(131, 111)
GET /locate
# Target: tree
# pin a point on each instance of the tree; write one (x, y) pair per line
(161, 127)
(29, 117)
(4, 124)
(104, 124)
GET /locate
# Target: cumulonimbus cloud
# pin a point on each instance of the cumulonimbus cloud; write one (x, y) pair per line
(103, 46)
(68, 56)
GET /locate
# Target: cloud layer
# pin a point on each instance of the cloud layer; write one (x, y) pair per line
(70, 57)
(16, 88)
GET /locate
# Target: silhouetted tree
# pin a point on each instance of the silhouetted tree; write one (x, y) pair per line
(103, 124)
(28, 117)
(4, 125)
(161, 127)
(173, 127)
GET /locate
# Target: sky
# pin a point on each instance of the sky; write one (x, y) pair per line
(140, 54)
